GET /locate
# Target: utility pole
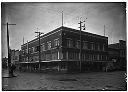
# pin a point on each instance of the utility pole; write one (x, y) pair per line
(23, 51)
(9, 55)
(27, 53)
(39, 33)
(81, 40)
(104, 30)
(28, 50)
(62, 18)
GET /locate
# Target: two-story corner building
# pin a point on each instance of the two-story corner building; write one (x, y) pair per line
(60, 49)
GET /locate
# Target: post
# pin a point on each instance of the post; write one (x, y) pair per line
(39, 54)
(80, 46)
(9, 57)
(104, 30)
(62, 18)
(81, 41)
(39, 50)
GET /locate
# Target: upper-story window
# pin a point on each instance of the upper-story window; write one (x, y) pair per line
(43, 47)
(85, 45)
(103, 47)
(78, 44)
(98, 47)
(69, 43)
(33, 49)
(30, 50)
(49, 45)
(23, 51)
(89, 46)
(56, 42)
(92, 46)
(36, 49)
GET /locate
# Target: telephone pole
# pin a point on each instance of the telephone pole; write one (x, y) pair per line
(9, 55)
(104, 30)
(81, 41)
(39, 33)
(62, 18)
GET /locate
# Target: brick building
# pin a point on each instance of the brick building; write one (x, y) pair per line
(60, 49)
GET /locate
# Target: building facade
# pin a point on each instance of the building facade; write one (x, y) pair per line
(62, 49)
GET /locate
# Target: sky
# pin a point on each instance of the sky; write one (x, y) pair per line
(45, 17)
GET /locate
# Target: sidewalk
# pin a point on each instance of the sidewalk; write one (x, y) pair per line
(83, 81)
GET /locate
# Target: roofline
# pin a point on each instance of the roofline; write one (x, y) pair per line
(43, 35)
(64, 28)
(87, 32)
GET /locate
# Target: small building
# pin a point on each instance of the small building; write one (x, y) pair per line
(4, 62)
(60, 49)
(117, 52)
(15, 56)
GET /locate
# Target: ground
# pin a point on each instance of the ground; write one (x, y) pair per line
(58, 81)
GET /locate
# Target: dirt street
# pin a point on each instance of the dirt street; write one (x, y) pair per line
(79, 81)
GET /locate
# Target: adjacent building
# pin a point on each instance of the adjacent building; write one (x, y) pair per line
(62, 49)
(4, 62)
(117, 52)
(15, 54)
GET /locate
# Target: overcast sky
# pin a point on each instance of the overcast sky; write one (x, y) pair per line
(47, 17)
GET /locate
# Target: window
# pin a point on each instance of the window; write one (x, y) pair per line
(33, 49)
(54, 56)
(103, 47)
(56, 42)
(49, 45)
(98, 57)
(95, 57)
(92, 46)
(69, 43)
(87, 57)
(43, 47)
(29, 50)
(23, 51)
(85, 45)
(37, 48)
(96, 46)
(78, 44)
(89, 45)
(48, 57)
